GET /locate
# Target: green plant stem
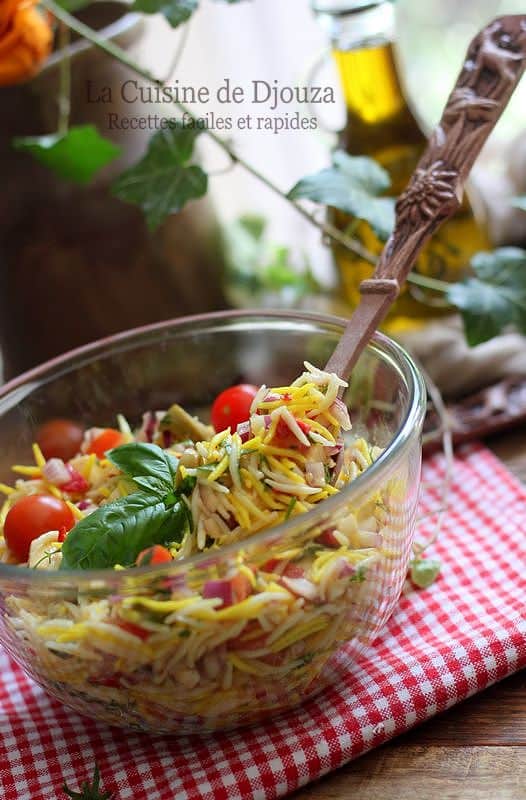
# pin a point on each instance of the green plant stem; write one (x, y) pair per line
(326, 228)
(183, 40)
(429, 283)
(116, 52)
(64, 97)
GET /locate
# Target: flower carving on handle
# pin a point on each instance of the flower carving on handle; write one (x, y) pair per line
(431, 191)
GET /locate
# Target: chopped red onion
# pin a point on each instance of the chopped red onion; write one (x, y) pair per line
(300, 587)
(341, 414)
(336, 450)
(315, 473)
(345, 569)
(370, 539)
(219, 589)
(56, 472)
(150, 425)
(243, 429)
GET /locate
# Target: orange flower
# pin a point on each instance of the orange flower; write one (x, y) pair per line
(25, 40)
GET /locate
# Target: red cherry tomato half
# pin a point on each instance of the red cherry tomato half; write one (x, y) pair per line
(32, 516)
(60, 438)
(233, 406)
(107, 440)
(153, 555)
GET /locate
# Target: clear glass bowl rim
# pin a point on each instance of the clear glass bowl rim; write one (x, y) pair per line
(394, 451)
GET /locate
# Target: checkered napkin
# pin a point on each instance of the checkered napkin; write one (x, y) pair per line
(441, 645)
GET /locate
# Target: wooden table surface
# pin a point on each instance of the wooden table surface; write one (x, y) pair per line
(475, 751)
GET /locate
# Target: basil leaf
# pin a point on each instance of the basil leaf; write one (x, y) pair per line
(152, 468)
(424, 571)
(495, 297)
(76, 155)
(352, 184)
(117, 532)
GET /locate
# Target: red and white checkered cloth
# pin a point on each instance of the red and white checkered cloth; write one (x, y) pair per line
(443, 644)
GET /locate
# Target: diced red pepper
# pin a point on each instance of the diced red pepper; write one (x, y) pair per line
(76, 484)
(241, 587)
(135, 630)
(294, 571)
(113, 682)
(271, 565)
(328, 539)
(284, 437)
(63, 532)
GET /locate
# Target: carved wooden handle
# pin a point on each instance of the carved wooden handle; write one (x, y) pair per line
(494, 63)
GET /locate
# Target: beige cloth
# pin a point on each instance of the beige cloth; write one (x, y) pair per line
(458, 369)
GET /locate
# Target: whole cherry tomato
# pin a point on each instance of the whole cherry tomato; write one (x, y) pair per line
(157, 554)
(32, 516)
(60, 438)
(232, 406)
(106, 440)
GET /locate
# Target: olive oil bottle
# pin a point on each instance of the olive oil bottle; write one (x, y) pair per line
(381, 125)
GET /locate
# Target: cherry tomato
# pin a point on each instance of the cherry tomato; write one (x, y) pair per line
(153, 555)
(107, 440)
(60, 438)
(232, 406)
(32, 516)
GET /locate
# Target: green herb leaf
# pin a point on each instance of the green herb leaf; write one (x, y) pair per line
(89, 791)
(76, 155)
(254, 265)
(152, 468)
(519, 202)
(163, 182)
(352, 184)
(496, 297)
(290, 507)
(175, 11)
(117, 532)
(360, 575)
(424, 571)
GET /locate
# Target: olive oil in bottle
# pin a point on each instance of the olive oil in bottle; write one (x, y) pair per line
(380, 125)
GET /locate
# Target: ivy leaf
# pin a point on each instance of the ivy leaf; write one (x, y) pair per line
(175, 11)
(163, 181)
(519, 202)
(73, 5)
(76, 155)
(495, 296)
(424, 571)
(255, 265)
(352, 184)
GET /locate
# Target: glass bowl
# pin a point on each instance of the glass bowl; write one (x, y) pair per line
(141, 648)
